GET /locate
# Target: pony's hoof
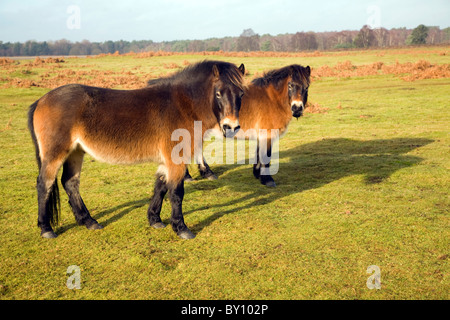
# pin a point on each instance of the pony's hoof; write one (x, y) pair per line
(270, 184)
(158, 225)
(186, 235)
(95, 226)
(212, 177)
(48, 235)
(268, 181)
(256, 172)
(187, 177)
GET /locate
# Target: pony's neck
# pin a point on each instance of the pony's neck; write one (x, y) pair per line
(201, 95)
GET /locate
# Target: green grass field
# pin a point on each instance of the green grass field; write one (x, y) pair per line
(366, 182)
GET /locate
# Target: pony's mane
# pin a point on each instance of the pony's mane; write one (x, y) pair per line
(275, 77)
(228, 73)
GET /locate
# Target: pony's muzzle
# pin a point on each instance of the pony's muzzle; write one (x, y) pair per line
(297, 108)
(230, 127)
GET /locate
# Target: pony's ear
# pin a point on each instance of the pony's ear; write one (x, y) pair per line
(308, 70)
(215, 72)
(242, 69)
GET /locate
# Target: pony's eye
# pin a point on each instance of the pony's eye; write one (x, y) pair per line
(290, 86)
(241, 94)
(218, 95)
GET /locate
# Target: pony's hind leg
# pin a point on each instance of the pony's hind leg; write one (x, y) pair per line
(187, 176)
(71, 182)
(205, 170)
(154, 210)
(48, 198)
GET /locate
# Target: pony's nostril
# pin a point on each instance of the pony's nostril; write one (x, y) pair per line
(226, 127)
(237, 128)
(296, 108)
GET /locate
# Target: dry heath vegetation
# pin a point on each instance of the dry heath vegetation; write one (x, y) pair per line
(363, 180)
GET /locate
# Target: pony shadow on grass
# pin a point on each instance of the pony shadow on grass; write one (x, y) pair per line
(307, 166)
(117, 213)
(312, 165)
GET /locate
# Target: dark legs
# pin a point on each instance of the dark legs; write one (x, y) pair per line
(261, 170)
(48, 198)
(48, 193)
(176, 195)
(48, 203)
(187, 176)
(205, 172)
(71, 182)
(154, 210)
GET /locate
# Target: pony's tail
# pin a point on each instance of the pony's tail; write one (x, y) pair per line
(53, 205)
(33, 134)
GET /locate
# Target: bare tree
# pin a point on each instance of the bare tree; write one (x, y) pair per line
(196, 46)
(381, 36)
(397, 36)
(365, 37)
(304, 41)
(434, 35)
(248, 41)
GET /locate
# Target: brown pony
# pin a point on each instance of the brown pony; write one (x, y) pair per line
(269, 103)
(118, 126)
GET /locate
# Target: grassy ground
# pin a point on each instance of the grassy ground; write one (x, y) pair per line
(363, 183)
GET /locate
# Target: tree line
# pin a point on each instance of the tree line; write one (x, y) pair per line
(366, 37)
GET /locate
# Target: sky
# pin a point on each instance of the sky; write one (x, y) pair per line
(167, 20)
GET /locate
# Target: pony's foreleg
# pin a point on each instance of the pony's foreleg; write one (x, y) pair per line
(71, 182)
(175, 188)
(154, 210)
(257, 164)
(265, 155)
(176, 195)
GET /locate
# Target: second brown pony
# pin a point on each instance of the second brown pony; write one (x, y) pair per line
(119, 126)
